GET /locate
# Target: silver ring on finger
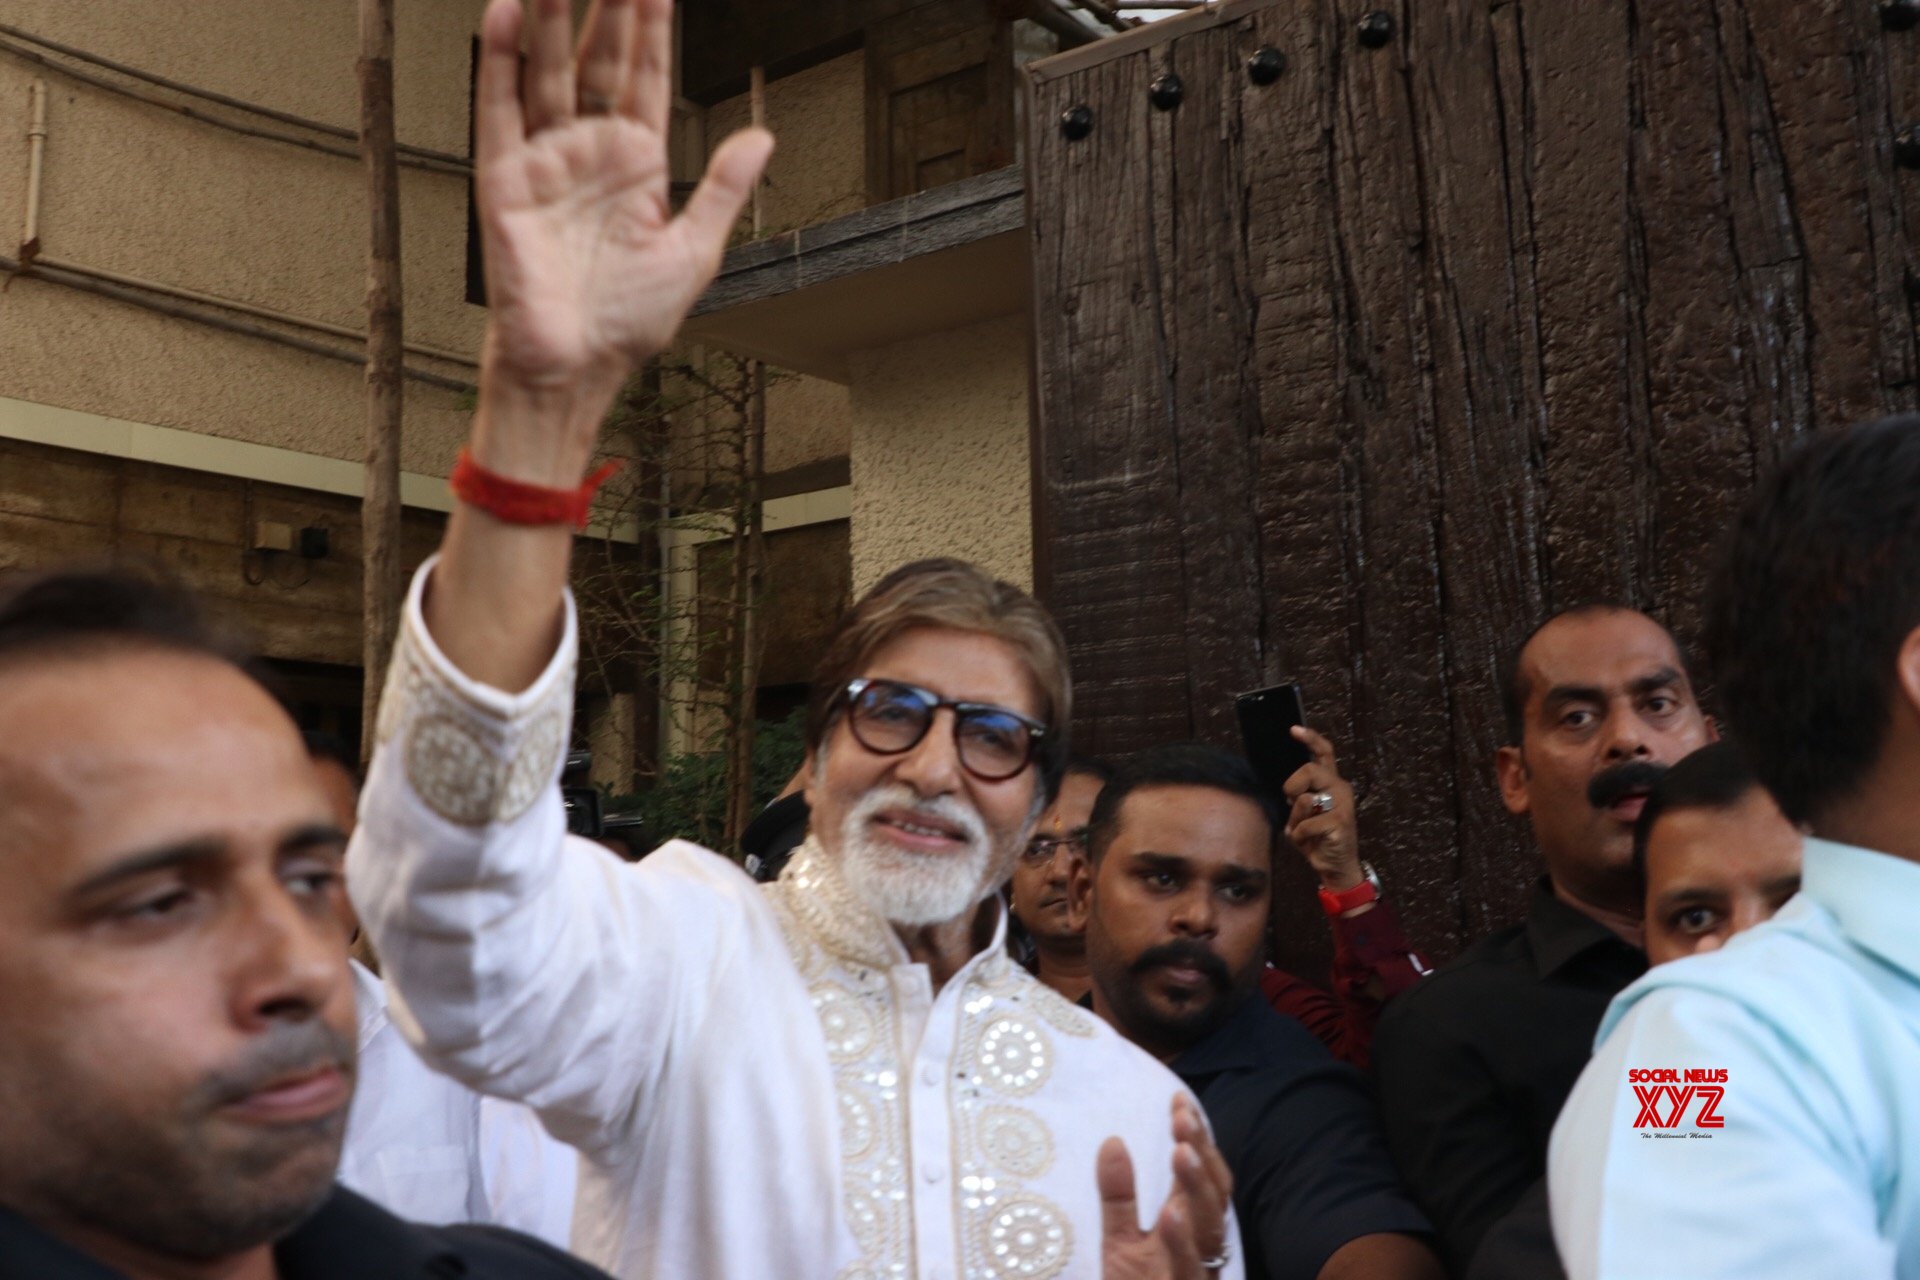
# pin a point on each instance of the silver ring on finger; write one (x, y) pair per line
(1218, 1262)
(595, 103)
(1323, 802)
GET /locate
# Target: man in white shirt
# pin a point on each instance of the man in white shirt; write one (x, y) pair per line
(421, 1145)
(1754, 1112)
(428, 1149)
(840, 1075)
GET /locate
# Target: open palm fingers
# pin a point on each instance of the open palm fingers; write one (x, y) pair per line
(602, 66)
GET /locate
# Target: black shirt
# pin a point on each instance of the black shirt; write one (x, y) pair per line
(1520, 1245)
(347, 1239)
(1474, 1064)
(1310, 1172)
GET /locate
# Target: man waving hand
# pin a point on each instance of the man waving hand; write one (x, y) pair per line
(837, 1075)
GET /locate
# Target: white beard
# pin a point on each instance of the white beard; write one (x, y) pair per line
(908, 888)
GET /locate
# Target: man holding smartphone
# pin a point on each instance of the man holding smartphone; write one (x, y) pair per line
(1372, 960)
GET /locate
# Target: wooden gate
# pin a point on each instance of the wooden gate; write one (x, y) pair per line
(1475, 310)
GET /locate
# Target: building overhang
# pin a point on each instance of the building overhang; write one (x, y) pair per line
(807, 300)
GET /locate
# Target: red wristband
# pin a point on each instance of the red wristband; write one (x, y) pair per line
(519, 503)
(1336, 904)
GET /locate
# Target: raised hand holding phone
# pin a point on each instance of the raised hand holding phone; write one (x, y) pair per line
(1324, 822)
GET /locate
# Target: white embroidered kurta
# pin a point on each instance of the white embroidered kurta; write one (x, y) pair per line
(764, 1085)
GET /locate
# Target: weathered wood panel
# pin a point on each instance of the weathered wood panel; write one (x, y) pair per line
(1354, 376)
(61, 506)
(939, 97)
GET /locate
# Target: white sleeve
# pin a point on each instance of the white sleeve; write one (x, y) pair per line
(1783, 1191)
(523, 961)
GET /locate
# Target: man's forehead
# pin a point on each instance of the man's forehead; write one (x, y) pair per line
(1190, 820)
(965, 666)
(1074, 805)
(1604, 649)
(114, 699)
(141, 748)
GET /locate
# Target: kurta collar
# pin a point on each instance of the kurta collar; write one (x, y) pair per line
(1871, 894)
(843, 922)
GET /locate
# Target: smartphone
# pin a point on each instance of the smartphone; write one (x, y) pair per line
(1267, 718)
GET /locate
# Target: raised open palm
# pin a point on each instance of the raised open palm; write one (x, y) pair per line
(588, 270)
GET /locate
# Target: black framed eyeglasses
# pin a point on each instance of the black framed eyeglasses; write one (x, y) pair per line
(889, 718)
(1042, 848)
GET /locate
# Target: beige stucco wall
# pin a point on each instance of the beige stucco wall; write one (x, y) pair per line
(142, 191)
(940, 452)
(818, 115)
(808, 420)
(818, 173)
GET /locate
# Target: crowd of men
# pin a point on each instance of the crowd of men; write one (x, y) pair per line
(1001, 1013)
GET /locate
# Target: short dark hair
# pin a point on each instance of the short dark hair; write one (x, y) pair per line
(331, 747)
(1817, 589)
(55, 613)
(1180, 764)
(1093, 767)
(1515, 688)
(1716, 776)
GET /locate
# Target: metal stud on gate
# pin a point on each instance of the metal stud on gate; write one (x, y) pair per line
(1076, 122)
(1376, 29)
(1900, 15)
(1266, 65)
(1166, 92)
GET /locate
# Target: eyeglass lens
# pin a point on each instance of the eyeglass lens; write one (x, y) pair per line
(891, 718)
(1042, 848)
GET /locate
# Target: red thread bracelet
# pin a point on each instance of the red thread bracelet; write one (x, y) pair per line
(519, 503)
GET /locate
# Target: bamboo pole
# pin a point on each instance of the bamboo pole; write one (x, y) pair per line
(380, 510)
(1106, 15)
(1072, 32)
(748, 544)
(749, 548)
(36, 164)
(757, 108)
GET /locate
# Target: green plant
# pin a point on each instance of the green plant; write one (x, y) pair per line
(688, 799)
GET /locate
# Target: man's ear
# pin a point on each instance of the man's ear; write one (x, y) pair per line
(1080, 891)
(1510, 770)
(1907, 672)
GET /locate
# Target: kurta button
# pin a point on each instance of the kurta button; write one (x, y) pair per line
(933, 1173)
(929, 1075)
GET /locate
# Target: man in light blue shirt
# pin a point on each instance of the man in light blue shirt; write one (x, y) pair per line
(1755, 1112)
